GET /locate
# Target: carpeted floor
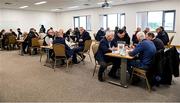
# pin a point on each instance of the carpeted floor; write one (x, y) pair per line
(24, 78)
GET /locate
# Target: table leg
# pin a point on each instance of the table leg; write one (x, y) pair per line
(48, 57)
(123, 78)
(21, 49)
(123, 72)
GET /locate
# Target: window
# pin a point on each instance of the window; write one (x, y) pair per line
(154, 19)
(112, 20)
(105, 22)
(169, 20)
(122, 20)
(76, 22)
(141, 20)
(82, 21)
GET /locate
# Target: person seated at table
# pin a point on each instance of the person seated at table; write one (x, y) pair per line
(28, 41)
(134, 37)
(162, 34)
(100, 34)
(157, 42)
(84, 35)
(116, 31)
(147, 30)
(107, 45)
(61, 40)
(77, 34)
(19, 33)
(124, 28)
(2, 33)
(122, 37)
(13, 33)
(67, 34)
(48, 39)
(145, 49)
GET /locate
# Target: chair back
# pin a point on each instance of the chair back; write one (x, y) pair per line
(171, 39)
(35, 42)
(87, 45)
(11, 39)
(59, 50)
(41, 42)
(95, 48)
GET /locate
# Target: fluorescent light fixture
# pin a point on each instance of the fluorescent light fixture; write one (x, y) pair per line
(100, 3)
(72, 7)
(22, 7)
(39, 3)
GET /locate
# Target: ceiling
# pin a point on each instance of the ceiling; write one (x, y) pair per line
(62, 5)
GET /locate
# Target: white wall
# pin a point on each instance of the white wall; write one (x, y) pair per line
(26, 19)
(65, 19)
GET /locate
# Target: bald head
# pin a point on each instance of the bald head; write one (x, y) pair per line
(81, 30)
(60, 33)
(140, 36)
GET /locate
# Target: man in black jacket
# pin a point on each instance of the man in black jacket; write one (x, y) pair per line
(28, 41)
(107, 45)
(162, 34)
(84, 35)
(157, 42)
(100, 34)
(19, 33)
(121, 36)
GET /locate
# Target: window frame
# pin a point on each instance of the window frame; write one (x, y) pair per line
(169, 11)
(163, 18)
(118, 19)
(80, 20)
(155, 11)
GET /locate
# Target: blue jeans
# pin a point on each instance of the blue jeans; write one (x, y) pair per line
(137, 64)
(75, 52)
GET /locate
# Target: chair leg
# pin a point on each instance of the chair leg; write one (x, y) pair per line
(54, 66)
(40, 57)
(67, 65)
(90, 57)
(148, 85)
(81, 57)
(131, 77)
(94, 69)
(41, 54)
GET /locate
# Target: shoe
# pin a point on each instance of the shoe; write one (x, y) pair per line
(76, 62)
(100, 78)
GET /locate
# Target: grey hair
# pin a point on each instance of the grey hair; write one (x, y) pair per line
(109, 33)
(141, 35)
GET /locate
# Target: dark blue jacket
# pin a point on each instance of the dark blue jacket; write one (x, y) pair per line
(146, 50)
(158, 44)
(85, 36)
(60, 40)
(163, 36)
(100, 35)
(103, 49)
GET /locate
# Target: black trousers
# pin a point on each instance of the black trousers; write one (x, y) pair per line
(103, 65)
